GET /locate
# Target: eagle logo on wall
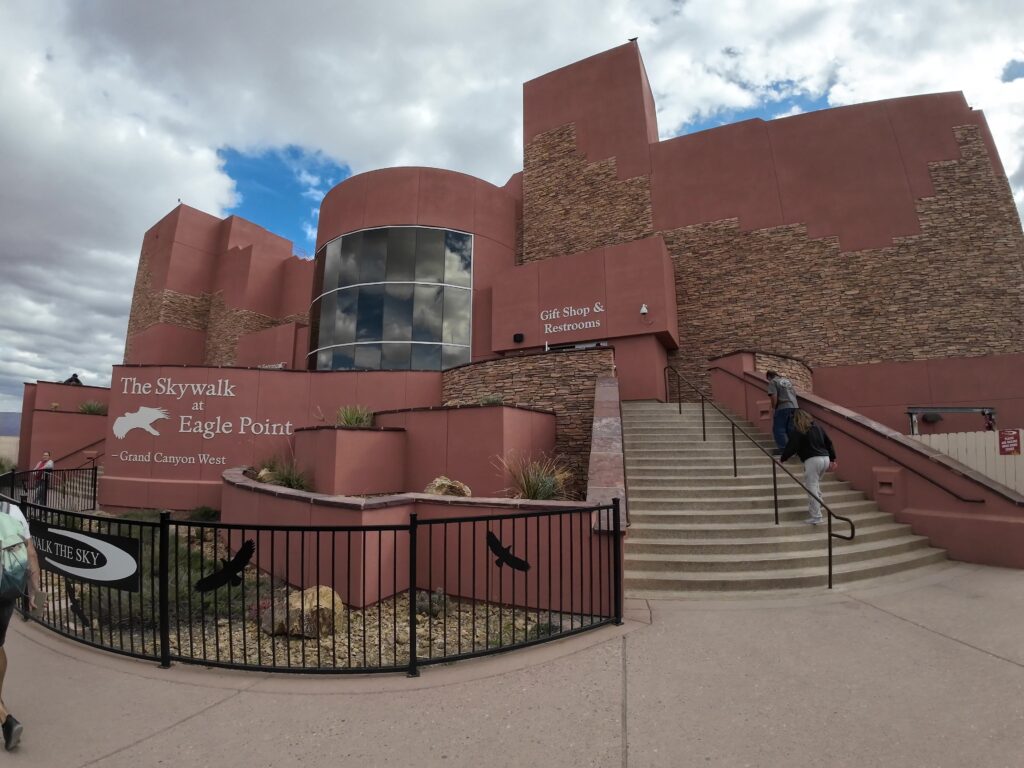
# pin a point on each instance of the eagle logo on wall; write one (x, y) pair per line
(140, 419)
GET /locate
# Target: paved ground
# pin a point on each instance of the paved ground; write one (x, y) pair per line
(926, 671)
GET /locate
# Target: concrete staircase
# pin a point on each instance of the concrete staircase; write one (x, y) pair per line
(694, 527)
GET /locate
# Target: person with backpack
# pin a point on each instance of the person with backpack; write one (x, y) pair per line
(812, 444)
(784, 404)
(19, 577)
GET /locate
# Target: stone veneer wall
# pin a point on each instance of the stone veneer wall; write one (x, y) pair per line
(796, 370)
(570, 205)
(222, 324)
(954, 290)
(562, 382)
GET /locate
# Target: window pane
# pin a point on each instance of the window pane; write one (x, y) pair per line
(430, 255)
(426, 357)
(395, 357)
(458, 259)
(323, 360)
(348, 259)
(401, 254)
(370, 315)
(367, 356)
(372, 256)
(318, 272)
(456, 316)
(314, 325)
(398, 312)
(345, 319)
(332, 260)
(426, 313)
(327, 309)
(342, 360)
(453, 356)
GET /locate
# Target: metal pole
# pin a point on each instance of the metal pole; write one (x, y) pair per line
(775, 490)
(735, 466)
(617, 559)
(164, 576)
(829, 515)
(413, 671)
(94, 481)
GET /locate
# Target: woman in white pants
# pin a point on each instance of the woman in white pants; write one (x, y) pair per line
(811, 443)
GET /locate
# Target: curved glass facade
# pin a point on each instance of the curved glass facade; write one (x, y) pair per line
(393, 299)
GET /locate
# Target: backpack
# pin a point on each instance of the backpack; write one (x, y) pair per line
(13, 556)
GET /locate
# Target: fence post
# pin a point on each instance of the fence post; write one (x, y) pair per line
(164, 577)
(23, 504)
(617, 559)
(413, 671)
(93, 484)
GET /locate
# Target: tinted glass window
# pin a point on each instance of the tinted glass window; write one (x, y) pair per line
(381, 294)
(430, 255)
(401, 254)
(458, 259)
(370, 316)
(332, 261)
(372, 256)
(426, 357)
(456, 316)
(348, 259)
(367, 356)
(398, 312)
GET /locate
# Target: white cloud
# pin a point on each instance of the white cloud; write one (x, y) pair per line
(112, 111)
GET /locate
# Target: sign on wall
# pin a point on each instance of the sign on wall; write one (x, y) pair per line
(96, 558)
(1009, 442)
(572, 318)
(187, 415)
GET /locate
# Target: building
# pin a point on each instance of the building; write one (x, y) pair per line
(877, 245)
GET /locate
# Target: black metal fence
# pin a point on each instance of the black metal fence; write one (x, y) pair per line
(72, 490)
(381, 598)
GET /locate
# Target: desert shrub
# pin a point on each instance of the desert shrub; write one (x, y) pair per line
(7, 465)
(204, 514)
(354, 416)
(431, 603)
(543, 478)
(284, 472)
(445, 486)
(491, 400)
(93, 408)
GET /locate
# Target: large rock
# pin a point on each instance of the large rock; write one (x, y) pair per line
(444, 486)
(303, 616)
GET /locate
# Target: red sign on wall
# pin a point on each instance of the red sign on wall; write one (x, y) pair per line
(1009, 442)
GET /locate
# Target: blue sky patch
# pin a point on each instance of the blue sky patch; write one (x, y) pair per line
(281, 189)
(1014, 70)
(766, 111)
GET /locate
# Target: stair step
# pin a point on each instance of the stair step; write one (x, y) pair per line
(664, 584)
(696, 531)
(791, 538)
(787, 500)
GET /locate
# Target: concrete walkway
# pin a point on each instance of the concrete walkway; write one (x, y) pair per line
(927, 671)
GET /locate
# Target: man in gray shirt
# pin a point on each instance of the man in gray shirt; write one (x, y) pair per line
(783, 397)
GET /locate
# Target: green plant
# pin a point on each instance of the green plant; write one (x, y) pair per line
(7, 465)
(284, 472)
(354, 416)
(491, 400)
(544, 478)
(204, 514)
(93, 408)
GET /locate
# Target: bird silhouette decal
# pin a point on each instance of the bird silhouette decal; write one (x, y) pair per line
(231, 571)
(504, 554)
(140, 419)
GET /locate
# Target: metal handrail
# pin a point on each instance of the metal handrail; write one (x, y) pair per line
(704, 397)
(79, 450)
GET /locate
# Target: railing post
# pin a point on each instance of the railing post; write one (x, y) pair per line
(617, 559)
(703, 421)
(94, 481)
(828, 514)
(164, 579)
(735, 466)
(413, 671)
(775, 490)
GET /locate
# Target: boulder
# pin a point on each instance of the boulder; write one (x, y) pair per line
(444, 486)
(314, 612)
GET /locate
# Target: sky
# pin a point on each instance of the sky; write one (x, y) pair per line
(111, 112)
